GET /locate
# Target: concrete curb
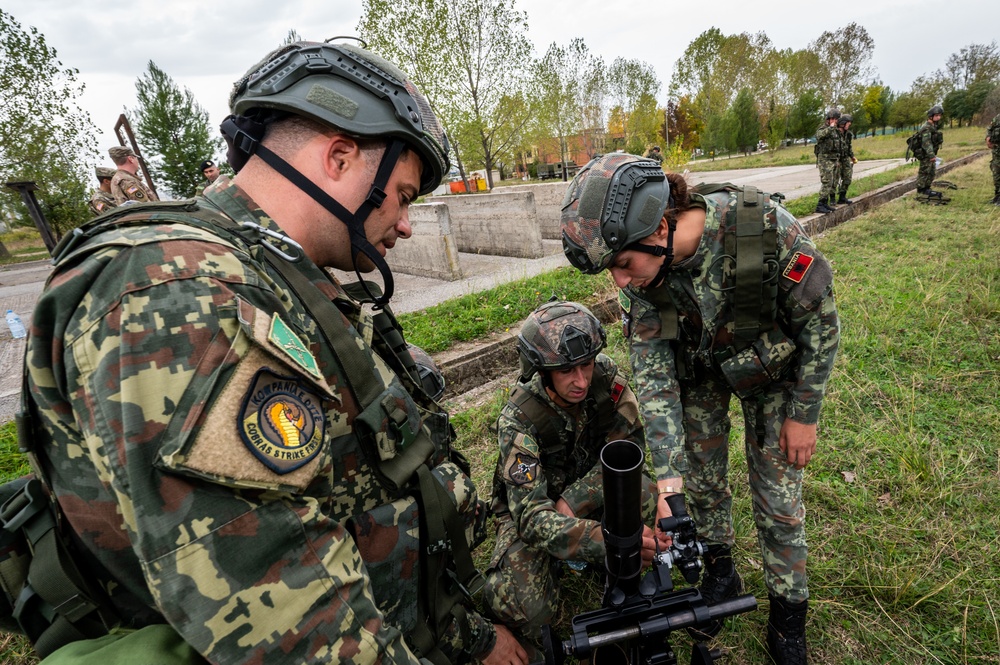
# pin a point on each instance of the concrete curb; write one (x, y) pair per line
(465, 366)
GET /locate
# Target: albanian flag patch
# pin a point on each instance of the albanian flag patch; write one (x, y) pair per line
(798, 267)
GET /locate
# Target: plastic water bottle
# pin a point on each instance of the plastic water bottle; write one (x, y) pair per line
(577, 566)
(15, 324)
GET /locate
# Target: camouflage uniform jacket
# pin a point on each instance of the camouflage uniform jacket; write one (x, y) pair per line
(993, 132)
(700, 288)
(931, 139)
(101, 202)
(556, 453)
(828, 142)
(846, 147)
(128, 187)
(219, 183)
(203, 443)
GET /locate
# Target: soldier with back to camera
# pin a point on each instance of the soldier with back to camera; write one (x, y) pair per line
(126, 185)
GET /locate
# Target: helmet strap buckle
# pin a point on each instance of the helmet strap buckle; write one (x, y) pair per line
(376, 196)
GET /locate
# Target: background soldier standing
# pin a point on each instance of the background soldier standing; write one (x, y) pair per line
(211, 172)
(126, 185)
(102, 200)
(655, 154)
(847, 159)
(694, 345)
(828, 141)
(993, 143)
(931, 139)
(547, 488)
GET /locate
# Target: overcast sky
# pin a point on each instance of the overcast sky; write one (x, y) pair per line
(208, 44)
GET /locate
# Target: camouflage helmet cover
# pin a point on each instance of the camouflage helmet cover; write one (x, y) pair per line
(845, 118)
(431, 377)
(937, 109)
(350, 89)
(833, 114)
(559, 334)
(614, 201)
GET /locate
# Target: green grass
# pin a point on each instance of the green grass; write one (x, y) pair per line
(903, 495)
(479, 314)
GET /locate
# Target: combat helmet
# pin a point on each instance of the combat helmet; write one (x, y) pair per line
(613, 202)
(845, 118)
(833, 113)
(557, 335)
(431, 378)
(937, 109)
(350, 89)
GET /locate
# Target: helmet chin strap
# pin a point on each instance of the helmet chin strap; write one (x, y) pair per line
(659, 250)
(355, 221)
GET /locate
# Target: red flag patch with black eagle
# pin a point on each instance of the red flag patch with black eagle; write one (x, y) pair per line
(798, 267)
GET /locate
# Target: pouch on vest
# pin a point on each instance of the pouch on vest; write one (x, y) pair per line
(762, 363)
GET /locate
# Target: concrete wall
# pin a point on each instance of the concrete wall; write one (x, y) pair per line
(501, 224)
(548, 205)
(431, 251)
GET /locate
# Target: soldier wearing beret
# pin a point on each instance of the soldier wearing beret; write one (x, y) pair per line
(212, 174)
(126, 185)
(102, 200)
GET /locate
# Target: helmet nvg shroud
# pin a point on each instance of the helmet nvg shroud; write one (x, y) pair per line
(612, 203)
(349, 89)
(557, 335)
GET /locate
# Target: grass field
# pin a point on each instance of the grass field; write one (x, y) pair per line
(903, 496)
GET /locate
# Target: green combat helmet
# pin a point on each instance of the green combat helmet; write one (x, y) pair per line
(612, 203)
(348, 89)
(937, 109)
(833, 114)
(844, 119)
(431, 377)
(557, 335)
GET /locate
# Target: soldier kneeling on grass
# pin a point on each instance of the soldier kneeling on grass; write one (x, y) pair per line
(547, 489)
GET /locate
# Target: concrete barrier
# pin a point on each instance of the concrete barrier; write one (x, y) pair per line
(501, 224)
(548, 205)
(431, 251)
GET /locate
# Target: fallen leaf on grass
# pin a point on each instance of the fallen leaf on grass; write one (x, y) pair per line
(848, 476)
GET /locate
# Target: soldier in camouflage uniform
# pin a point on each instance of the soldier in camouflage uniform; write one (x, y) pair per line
(655, 154)
(667, 248)
(239, 444)
(212, 175)
(547, 488)
(828, 150)
(847, 159)
(993, 143)
(931, 139)
(126, 185)
(102, 200)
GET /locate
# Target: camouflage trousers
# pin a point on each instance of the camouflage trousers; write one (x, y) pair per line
(522, 582)
(775, 485)
(925, 175)
(846, 175)
(829, 174)
(995, 168)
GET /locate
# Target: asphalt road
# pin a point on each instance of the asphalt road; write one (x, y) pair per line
(21, 284)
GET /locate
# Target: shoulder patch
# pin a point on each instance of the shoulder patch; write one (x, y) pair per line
(626, 305)
(285, 339)
(797, 267)
(523, 468)
(281, 421)
(617, 388)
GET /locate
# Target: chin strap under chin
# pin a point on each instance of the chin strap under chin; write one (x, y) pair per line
(355, 221)
(659, 250)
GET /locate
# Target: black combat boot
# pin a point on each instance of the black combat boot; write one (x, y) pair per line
(720, 582)
(996, 200)
(786, 631)
(822, 207)
(843, 199)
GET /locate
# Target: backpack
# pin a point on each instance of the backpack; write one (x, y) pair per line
(915, 145)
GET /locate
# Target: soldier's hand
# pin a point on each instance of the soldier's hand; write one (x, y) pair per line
(648, 545)
(662, 510)
(797, 442)
(563, 508)
(507, 650)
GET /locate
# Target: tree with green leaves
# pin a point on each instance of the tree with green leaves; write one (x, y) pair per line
(846, 55)
(44, 135)
(745, 121)
(468, 56)
(871, 105)
(173, 131)
(777, 125)
(632, 89)
(806, 115)
(975, 63)
(556, 81)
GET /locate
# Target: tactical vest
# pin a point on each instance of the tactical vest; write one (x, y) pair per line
(538, 417)
(51, 602)
(751, 245)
